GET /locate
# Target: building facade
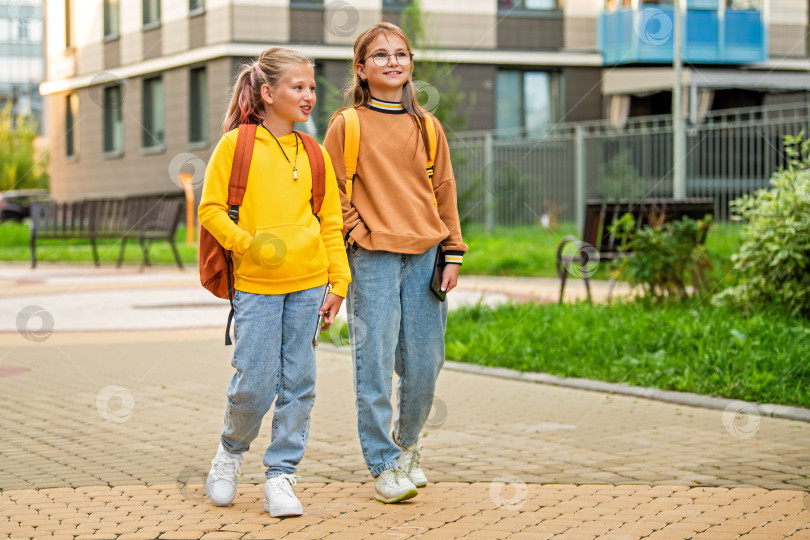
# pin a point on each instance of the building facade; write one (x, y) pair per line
(137, 89)
(21, 59)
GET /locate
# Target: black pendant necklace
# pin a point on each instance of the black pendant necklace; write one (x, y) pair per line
(294, 163)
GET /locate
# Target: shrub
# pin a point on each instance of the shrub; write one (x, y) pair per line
(668, 257)
(773, 264)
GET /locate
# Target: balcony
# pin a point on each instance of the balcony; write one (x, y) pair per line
(716, 33)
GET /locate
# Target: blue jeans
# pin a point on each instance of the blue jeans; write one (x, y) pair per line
(395, 324)
(274, 360)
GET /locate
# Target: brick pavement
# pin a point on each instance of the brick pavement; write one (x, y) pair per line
(109, 434)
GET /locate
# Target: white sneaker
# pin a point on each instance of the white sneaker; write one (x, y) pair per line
(220, 485)
(409, 461)
(279, 498)
(393, 486)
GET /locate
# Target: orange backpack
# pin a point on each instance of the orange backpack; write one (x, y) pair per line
(216, 263)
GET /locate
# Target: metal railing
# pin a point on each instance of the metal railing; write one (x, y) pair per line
(513, 178)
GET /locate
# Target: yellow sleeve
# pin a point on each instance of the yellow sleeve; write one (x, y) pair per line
(213, 209)
(331, 217)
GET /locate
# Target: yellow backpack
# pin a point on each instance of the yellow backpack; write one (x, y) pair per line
(351, 148)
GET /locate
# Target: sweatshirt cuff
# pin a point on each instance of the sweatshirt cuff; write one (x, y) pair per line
(453, 257)
(349, 232)
(340, 288)
(242, 243)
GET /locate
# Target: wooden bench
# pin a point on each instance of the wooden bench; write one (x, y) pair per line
(147, 218)
(598, 244)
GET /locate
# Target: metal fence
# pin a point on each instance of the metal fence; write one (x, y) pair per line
(511, 178)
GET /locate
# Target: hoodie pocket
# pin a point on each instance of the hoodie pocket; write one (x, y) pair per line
(285, 252)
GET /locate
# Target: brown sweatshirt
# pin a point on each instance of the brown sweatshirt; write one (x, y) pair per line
(392, 206)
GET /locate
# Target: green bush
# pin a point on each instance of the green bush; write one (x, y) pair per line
(772, 266)
(668, 257)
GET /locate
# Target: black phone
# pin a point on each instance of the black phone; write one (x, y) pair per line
(436, 280)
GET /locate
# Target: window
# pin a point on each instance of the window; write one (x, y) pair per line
(524, 101)
(526, 4)
(151, 12)
(307, 3)
(196, 5)
(744, 4)
(198, 106)
(395, 3)
(113, 125)
(111, 18)
(68, 25)
(152, 134)
(71, 116)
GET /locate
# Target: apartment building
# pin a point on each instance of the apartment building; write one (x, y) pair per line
(21, 68)
(137, 89)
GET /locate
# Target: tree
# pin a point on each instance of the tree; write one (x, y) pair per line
(19, 166)
(437, 86)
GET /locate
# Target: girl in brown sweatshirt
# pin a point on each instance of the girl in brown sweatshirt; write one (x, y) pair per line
(396, 217)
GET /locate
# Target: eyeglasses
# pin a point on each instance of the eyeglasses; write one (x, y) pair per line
(381, 58)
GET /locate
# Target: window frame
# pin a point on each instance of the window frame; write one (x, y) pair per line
(520, 8)
(108, 20)
(71, 126)
(307, 4)
(554, 102)
(68, 25)
(197, 9)
(153, 112)
(198, 106)
(113, 122)
(153, 19)
(395, 5)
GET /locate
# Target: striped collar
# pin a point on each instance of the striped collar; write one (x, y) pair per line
(389, 107)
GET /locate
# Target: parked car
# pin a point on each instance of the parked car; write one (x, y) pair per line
(15, 205)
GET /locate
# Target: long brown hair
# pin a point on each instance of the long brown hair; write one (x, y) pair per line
(246, 100)
(358, 92)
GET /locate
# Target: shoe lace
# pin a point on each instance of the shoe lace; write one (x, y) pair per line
(284, 486)
(393, 476)
(225, 467)
(413, 458)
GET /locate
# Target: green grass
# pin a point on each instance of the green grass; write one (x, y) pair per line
(688, 347)
(14, 241)
(513, 251)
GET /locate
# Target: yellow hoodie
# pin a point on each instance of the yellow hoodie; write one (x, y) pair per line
(278, 245)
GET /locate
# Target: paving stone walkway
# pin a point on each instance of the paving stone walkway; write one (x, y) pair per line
(109, 434)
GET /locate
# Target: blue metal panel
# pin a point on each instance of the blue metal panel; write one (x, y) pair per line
(629, 35)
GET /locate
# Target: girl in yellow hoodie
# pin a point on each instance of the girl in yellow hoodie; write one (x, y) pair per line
(284, 257)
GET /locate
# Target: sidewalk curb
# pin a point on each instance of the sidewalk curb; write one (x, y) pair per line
(734, 406)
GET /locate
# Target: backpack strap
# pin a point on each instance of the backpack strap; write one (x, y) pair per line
(351, 146)
(317, 166)
(242, 155)
(431, 159)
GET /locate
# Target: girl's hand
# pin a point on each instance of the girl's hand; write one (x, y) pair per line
(329, 310)
(450, 277)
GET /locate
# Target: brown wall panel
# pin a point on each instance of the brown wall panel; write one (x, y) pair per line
(306, 25)
(582, 94)
(530, 32)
